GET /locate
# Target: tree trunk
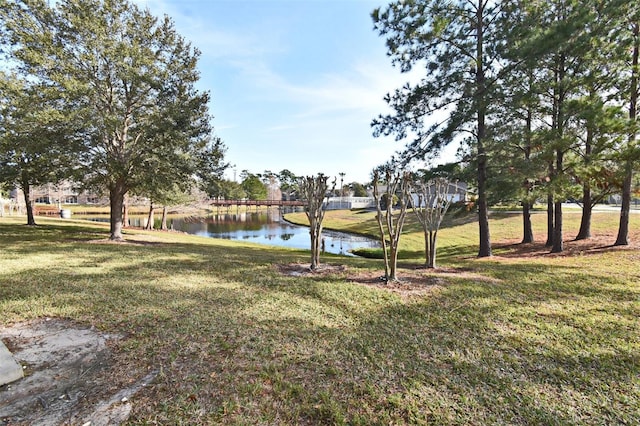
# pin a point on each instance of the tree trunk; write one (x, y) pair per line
(393, 264)
(26, 189)
(550, 216)
(316, 235)
(318, 248)
(150, 224)
(313, 266)
(164, 218)
(483, 210)
(427, 250)
(432, 254)
(587, 202)
(116, 200)
(559, 95)
(623, 228)
(125, 211)
(558, 244)
(587, 207)
(317, 245)
(383, 241)
(527, 228)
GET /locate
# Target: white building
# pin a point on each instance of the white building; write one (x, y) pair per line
(456, 192)
(348, 203)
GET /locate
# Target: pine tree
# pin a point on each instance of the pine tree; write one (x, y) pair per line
(630, 92)
(458, 43)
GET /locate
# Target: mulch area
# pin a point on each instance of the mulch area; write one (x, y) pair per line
(596, 244)
(416, 280)
(413, 280)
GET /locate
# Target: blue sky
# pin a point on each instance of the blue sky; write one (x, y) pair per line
(294, 83)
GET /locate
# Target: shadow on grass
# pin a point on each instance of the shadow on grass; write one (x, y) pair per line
(239, 343)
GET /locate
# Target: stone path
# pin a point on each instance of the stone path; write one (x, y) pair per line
(69, 377)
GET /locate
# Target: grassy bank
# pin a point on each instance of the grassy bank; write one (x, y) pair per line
(508, 340)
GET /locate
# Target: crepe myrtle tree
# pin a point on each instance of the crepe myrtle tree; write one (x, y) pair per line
(314, 190)
(390, 223)
(433, 201)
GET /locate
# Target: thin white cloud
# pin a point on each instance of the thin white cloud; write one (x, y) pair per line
(216, 43)
(353, 97)
(272, 119)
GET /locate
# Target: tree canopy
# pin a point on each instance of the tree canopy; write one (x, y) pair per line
(542, 97)
(129, 76)
(253, 187)
(36, 142)
(458, 45)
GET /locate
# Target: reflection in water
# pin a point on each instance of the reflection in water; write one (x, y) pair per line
(267, 228)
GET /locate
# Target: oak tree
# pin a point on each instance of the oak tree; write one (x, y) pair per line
(35, 142)
(128, 74)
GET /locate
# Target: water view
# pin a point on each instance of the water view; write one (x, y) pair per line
(262, 228)
(270, 229)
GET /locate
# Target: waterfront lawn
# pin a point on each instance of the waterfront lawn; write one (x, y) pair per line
(509, 340)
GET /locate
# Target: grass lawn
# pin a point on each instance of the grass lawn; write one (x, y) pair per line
(521, 338)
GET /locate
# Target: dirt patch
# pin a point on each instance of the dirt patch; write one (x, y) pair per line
(304, 270)
(414, 280)
(596, 244)
(138, 242)
(70, 378)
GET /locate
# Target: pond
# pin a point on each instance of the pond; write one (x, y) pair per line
(267, 228)
(270, 229)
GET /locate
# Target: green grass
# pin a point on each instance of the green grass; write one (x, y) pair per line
(542, 340)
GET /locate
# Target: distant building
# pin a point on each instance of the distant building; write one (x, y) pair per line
(456, 191)
(63, 193)
(348, 203)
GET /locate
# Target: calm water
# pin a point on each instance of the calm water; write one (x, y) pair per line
(263, 228)
(270, 229)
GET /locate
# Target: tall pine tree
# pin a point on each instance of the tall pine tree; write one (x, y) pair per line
(457, 43)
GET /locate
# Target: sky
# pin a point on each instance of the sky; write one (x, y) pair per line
(294, 84)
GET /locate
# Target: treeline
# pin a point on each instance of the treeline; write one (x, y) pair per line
(542, 95)
(269, 185)
(102, 93)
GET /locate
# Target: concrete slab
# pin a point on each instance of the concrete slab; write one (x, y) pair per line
(10, 370)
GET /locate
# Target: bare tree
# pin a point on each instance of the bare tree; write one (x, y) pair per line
(433, 202)
(388, 224)
(313, 191)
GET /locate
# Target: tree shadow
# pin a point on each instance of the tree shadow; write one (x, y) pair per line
(533, 344)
